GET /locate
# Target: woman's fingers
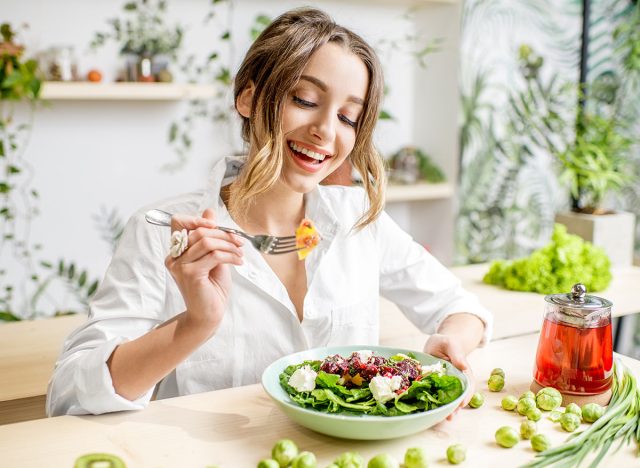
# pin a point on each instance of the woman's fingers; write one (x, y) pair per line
(189, 222)
(208, 245)
(203, 232)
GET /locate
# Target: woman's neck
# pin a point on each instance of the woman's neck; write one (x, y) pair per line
(277, 212)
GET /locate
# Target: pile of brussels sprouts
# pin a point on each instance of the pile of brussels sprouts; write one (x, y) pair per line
(285, 454)
(531, 406)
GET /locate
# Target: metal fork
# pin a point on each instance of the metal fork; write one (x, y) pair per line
(272, 245)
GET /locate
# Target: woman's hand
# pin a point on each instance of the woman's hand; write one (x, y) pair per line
(202, 271)
(449, 349)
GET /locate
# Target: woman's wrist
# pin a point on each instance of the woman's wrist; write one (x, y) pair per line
(465, 328)
(195, 327)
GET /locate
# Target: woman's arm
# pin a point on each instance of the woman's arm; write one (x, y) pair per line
(138, 365)
(203, 277)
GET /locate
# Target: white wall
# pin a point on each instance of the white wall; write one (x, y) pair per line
(89, 155)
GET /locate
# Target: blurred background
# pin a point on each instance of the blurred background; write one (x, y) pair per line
(499, 118)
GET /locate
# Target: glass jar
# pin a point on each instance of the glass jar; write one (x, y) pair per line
(575, 351)
(62, 64)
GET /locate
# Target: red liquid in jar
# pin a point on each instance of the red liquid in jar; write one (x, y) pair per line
(574, 360)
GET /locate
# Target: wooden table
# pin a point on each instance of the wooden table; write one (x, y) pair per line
(30, 348)
(237, 427)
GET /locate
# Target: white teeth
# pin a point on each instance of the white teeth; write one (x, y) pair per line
(307, 152)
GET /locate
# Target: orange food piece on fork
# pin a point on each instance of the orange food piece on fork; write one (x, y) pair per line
(307, 238)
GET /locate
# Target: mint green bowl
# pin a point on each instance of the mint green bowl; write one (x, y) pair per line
(360, 427)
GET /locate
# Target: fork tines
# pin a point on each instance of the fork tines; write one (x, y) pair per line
(283, 245)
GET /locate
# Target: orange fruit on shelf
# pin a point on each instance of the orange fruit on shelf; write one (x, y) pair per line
(94, 76)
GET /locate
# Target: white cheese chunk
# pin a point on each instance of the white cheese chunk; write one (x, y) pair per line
(383, 388)
(303, 379)
(364, 354)
(434, 368)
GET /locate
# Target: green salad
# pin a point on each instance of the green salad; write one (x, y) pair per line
(365, 383)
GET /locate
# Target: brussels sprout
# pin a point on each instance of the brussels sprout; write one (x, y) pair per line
(415, 457)
(573, 408)
(525, 405)
(456, 454)
(498, 371)
(477, 400)
(555, 416)
(569, 422)
(548, 399)
(592, 412)
(533, 414)
(305, 460)
(507, 436)
(349, 460)
(509, 403)
(496, 383)
(528, 429)
(540, 443)
(284, 452)
(268, 463)
(384, 460)
(527, 394)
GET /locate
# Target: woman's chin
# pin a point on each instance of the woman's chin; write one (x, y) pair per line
(301, 184)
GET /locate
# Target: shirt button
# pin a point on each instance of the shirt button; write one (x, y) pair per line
(253, 274)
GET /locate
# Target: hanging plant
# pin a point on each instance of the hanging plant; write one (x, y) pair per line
(20, 84)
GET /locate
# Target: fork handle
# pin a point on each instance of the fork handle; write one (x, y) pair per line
(163, 218)
(158, 217)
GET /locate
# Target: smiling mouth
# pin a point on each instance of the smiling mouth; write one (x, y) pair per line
(306, 154)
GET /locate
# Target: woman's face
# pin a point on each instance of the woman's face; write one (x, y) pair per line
(320, 116)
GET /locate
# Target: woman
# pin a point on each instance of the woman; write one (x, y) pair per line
(215, 316)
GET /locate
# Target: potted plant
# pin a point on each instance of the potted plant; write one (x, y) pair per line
(145, 38)
(594, 166)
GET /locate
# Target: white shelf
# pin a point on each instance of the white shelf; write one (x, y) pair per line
(417, 192)
(85, 91)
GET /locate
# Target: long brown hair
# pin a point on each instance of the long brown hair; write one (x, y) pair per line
(274, 64)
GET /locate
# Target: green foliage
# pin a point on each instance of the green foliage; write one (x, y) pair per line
(629, 35)
(554, 268)
(18, 77)
(110, 225)
(260, 23)
(598, 163)
(213, 70)
(19, 82)
(143, 30)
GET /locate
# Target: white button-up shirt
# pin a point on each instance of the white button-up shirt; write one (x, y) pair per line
(346, 273)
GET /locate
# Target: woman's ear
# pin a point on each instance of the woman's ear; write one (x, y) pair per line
(245, 98)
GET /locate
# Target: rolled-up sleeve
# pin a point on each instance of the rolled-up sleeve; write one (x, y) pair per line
(128, 303)
(424, 290)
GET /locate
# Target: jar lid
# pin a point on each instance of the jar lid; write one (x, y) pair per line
(578, 299)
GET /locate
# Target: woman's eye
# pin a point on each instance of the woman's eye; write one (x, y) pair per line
(303, 102)
(348, 121)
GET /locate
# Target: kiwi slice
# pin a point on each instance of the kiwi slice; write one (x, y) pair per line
(99, 460)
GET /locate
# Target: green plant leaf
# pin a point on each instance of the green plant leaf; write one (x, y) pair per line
(92, 289)
(9, 317)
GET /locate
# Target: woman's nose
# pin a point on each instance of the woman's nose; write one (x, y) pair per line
(323, 127)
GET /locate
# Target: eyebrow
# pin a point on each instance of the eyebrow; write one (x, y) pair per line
(321, 84)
